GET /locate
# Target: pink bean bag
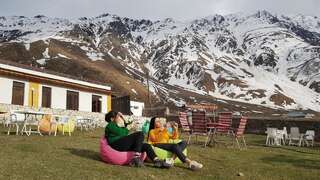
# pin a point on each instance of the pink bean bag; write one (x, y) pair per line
(112, 156)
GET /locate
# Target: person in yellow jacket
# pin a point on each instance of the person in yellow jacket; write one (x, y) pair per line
(159, 136)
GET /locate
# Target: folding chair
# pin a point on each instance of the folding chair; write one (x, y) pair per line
(199, 126)
(239, 132)
(223, 127)
(184, 124)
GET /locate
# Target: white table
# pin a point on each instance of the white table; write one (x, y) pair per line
(85, 123)
(31, 119)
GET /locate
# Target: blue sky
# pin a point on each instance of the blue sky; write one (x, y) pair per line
(154, 9)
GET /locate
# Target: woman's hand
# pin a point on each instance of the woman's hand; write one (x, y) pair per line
(161, 128)
(175, 125)
(119, 120)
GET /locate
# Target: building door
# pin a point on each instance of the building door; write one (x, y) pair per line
(33, 94)
(96, 103)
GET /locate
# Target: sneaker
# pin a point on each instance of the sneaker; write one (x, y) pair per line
(194, 165)
(170, 161)
(136, 162)
(161, 164)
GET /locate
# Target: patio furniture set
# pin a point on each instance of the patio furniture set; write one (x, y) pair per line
(24, 121)
(201, 125)
(281, 137)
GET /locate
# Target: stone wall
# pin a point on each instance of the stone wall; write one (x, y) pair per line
(99, 117)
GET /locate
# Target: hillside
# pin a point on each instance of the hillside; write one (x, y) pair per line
(247, 62)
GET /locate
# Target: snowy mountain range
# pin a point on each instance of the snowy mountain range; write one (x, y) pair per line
(261, 58)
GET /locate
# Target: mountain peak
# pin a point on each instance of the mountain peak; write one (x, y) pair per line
(254, 58)
(263, 13)
(40, 16)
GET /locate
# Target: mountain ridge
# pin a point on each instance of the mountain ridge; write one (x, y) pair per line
(259, 58)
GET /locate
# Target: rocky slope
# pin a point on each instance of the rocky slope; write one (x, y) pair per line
(261, 59)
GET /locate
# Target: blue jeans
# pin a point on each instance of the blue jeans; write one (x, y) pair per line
(176, 149)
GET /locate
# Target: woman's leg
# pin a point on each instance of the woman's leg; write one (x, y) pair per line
(182, 145)
(150, 152)
(152, 155)
(132, 142)
(177, 149)
(174, 148)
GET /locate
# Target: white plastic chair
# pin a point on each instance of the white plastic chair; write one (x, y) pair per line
(15, 120)
(282, 136)
(271, 136)
(295, 138)
(274, 137)
(4, 120)
(33, 120)
(308, 137)
(285, 134)
(60, 120)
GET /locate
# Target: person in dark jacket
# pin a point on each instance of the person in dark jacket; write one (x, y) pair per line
(119, 139)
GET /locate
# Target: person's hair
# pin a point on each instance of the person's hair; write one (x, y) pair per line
(109, 115)
(151, 125)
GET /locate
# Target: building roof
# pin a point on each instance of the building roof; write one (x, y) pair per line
(47, 74)
(208, 107)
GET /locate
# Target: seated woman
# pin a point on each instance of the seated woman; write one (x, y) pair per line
(159, 137)
(119, 139)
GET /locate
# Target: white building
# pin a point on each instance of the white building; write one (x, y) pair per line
(136, 108)
(34, 87)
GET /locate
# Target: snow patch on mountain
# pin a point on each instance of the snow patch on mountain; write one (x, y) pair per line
(260, 58)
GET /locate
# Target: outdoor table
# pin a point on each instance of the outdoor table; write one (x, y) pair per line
(33, 115)
(211, 129)
(211, 126)
(85, 122)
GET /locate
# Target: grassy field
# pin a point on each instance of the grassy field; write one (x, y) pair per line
(77, 157)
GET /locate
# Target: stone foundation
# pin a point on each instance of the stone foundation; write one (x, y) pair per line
(99, 117)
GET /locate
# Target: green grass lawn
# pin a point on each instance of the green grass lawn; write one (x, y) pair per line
(77, 157)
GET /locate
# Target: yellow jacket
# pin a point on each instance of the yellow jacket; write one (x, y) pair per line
(157, 136)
